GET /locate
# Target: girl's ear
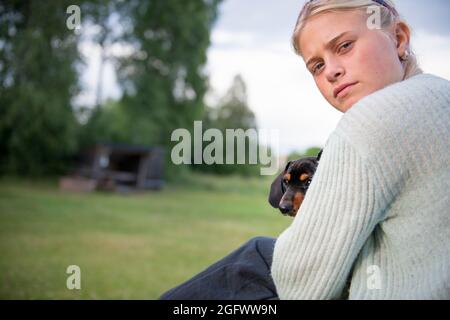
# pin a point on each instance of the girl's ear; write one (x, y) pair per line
(403, 35)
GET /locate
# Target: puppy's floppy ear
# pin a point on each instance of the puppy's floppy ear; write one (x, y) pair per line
(276, 191)
(287, 167)
(319, 155)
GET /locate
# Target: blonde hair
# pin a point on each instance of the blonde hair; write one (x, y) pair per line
(389, 16)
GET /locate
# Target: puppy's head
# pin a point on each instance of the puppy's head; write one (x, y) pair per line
(289, 188)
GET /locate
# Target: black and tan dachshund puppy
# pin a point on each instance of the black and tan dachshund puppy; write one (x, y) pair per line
(289, 188)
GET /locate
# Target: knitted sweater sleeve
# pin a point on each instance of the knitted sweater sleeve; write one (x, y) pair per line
(314, 256)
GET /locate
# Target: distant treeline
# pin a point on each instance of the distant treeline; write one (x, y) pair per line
(161, 75)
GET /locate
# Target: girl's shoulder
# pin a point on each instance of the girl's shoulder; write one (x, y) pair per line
(411, 113)
(400, 105)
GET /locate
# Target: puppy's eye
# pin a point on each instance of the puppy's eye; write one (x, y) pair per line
(304, 176)
(286, 178)
(308, 182)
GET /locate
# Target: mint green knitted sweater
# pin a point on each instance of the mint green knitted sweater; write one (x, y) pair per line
(377, 212)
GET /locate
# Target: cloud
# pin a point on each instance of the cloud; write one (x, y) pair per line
(224, 39)
(430, 16)
(432, 52)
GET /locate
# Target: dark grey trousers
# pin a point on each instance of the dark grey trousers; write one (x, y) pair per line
(244, 274)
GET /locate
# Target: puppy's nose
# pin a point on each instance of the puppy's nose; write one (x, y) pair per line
(285, 208)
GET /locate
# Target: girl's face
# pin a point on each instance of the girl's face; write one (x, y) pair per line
(339, 50)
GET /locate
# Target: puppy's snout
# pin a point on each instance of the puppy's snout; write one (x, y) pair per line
(286, 207)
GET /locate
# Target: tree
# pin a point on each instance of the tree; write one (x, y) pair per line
(38, 56)
(233, 112)
(163, 79)
(162, 76)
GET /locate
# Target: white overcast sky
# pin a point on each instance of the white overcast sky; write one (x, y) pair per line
(252, 38)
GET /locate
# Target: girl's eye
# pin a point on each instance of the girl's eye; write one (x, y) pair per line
(346, 45)
(316, 67)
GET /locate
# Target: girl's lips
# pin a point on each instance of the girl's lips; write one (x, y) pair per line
(343, 90)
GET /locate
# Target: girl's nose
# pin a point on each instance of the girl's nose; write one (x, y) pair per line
(334, 72)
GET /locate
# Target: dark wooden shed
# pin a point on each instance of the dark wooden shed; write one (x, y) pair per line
(118, 167)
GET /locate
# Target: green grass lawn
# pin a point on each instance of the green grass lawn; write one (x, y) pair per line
(132, 246)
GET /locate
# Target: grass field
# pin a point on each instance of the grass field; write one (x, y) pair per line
(132, 246)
